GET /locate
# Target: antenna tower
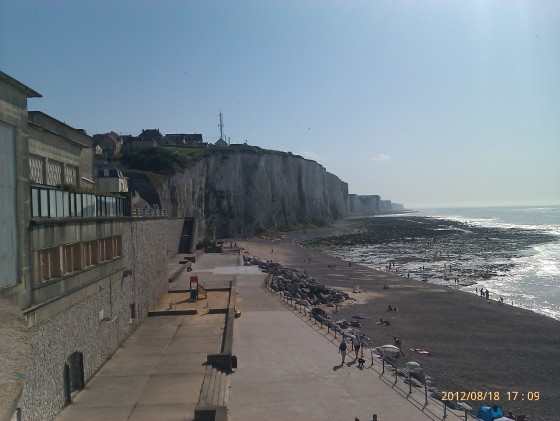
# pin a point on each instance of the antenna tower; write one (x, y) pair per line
(221, 125)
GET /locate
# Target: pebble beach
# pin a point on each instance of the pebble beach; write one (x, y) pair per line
(475, 344)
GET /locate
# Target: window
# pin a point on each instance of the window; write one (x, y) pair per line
(35, 204)
(90, 253)
(71, 258)
(71, 174)
(48, 202)
(102, 251)
(54, 173)
(49, 266)
(36, 169)
(117, 246)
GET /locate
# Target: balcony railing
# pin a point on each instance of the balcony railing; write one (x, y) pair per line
(51, 202)
(148, 212)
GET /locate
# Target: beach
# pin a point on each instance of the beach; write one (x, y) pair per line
(475, 344)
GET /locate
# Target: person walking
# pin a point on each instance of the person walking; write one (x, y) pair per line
(356, 343)
(342, 350)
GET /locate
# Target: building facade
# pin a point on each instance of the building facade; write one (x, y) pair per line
(82, 272)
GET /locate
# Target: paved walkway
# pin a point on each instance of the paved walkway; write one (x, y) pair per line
(288, 371)
(157, 373)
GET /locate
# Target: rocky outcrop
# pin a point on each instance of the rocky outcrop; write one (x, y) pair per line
(299, 286)
(239, 193)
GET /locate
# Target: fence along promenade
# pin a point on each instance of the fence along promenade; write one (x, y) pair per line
(387, 370)
(149, 212)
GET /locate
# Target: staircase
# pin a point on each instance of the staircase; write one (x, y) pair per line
(185, 243)
(214, 395)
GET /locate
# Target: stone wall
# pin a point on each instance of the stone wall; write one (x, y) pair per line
(80, 328)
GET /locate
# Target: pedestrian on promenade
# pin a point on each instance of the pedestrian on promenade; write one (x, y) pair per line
(342, 350)
(356, 344)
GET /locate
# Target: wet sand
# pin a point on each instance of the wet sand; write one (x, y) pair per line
(475, 344)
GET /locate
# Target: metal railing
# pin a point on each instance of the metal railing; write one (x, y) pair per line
(411, 394)
(148, 212)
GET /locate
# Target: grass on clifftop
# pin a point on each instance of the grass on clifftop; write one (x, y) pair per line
(172, 159)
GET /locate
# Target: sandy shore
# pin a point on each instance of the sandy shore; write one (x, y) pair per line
(475, 344)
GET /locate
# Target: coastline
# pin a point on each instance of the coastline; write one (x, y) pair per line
(475, 344)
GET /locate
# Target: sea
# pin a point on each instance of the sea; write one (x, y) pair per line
(531, 278)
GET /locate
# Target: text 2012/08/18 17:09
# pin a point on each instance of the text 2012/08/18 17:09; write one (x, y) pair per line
(490, 396)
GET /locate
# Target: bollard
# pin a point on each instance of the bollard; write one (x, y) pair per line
(426, 393)
(465, 415)
(383, 371)
(409, 384)
(444, 410)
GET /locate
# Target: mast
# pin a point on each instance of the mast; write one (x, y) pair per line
(221, 125)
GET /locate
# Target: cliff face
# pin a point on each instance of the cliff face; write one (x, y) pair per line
(238, 193)
(363, 204)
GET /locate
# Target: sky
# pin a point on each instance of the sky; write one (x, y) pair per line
(425, 103)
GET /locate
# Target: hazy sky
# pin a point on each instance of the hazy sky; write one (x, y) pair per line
(426, 103)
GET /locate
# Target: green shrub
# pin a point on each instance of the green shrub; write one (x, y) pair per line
(158, 160)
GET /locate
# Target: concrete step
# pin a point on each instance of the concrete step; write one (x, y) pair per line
(214, 387)
(223, 394)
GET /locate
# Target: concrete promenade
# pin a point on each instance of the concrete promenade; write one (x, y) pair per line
(157, 373)
(287, 367)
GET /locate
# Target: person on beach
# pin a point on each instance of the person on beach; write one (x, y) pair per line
(374, 418)
(342, 350)
(398, 344)
(487, 294)
(356, 344)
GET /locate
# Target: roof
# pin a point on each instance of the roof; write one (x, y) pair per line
(20, 86)
(185, 136)
(50, 124)
(100, 168)
(150, 134)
